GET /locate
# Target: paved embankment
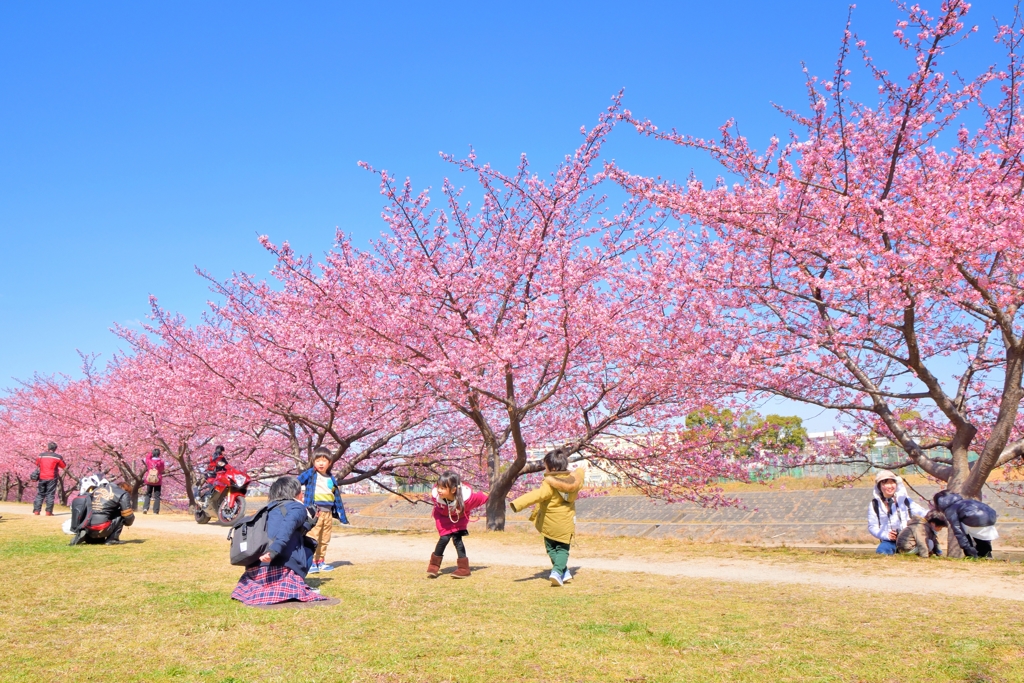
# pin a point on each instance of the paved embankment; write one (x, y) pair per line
(822, 516)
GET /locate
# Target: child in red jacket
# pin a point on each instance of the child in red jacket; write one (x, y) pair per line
(453, 501)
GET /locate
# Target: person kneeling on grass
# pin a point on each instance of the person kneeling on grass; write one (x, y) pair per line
(890, 511)
(555, 516)
(921, 535)
(323, 499)
(453, 501)
(101, 512)
(279, 575)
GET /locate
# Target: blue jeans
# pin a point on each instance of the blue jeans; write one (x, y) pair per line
(886, 548)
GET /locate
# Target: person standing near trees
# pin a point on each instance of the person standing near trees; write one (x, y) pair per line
(48, 466)
(555, 516)
(890, 511)
(154, 481)
(323, 498)
(453, 501)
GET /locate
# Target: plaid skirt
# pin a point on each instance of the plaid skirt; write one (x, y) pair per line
(267, 585)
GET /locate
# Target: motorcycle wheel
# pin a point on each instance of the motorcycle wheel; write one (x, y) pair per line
(202, 517)
(229, 514)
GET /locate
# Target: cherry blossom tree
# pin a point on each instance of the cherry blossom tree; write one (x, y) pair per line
(178, 402)
(93, 420)
(96, 433)
(538, 318)
(22, 442)
(871, 264)
(36, 413)
(276, 355)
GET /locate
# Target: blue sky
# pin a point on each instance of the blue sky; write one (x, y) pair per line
(138, 141)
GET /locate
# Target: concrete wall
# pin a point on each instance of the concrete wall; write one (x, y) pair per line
(816, 516)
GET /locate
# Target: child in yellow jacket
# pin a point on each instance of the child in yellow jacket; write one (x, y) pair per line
(555, 516)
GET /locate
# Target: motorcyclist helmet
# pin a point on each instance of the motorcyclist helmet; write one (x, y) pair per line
(91, 481)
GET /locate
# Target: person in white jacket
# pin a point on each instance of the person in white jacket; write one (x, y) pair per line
(890, 511)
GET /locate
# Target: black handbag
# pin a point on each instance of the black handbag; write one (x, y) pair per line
(35, 475)
(249, 538)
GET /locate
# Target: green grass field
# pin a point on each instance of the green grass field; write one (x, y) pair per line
(159, 611)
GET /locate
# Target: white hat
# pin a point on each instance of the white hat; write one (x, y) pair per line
(885, 475)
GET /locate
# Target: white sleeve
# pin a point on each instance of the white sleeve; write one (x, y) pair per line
(874, 527)
(917, 509)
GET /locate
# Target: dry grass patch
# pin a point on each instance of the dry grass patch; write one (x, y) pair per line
(159, 611)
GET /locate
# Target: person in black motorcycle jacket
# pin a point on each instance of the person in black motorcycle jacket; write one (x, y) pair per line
(971, 521)
(101, 513)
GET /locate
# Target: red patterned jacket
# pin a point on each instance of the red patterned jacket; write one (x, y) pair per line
(48, 464)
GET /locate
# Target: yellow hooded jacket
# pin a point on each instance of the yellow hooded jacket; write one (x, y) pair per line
(555, 516)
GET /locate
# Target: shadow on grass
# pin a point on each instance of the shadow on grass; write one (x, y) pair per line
(295, 604)
(545, 573)
(451, 570)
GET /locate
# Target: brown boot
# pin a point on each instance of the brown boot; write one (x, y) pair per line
(434, 568)
(463, 570)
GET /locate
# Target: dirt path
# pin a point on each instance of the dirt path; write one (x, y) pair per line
(360, 546)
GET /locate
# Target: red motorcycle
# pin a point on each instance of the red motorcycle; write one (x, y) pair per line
(225, 497)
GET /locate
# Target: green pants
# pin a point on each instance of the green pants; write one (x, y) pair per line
(559, 554)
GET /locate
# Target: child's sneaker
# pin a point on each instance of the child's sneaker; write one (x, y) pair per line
(556, 579)
(567, 576)
(324, 567)
(315, 569)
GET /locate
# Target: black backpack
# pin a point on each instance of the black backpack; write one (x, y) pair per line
(249, 538)
(878, 515)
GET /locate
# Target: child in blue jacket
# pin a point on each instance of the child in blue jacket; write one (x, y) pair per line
(322, 495)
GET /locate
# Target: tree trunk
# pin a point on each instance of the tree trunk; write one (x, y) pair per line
(500, 486)
(953, 550)
(21, 488)
(496, 504)
(501, 483)
(187, 474)
(135, 494)
(498, 491)
(1001, 431)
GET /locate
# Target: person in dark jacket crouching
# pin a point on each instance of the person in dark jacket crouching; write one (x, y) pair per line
(101, 513)
(972, 522)
(279, 576)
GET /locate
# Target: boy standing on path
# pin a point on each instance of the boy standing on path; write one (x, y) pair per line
(555, 516)
(49, 464)
(324, 495)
